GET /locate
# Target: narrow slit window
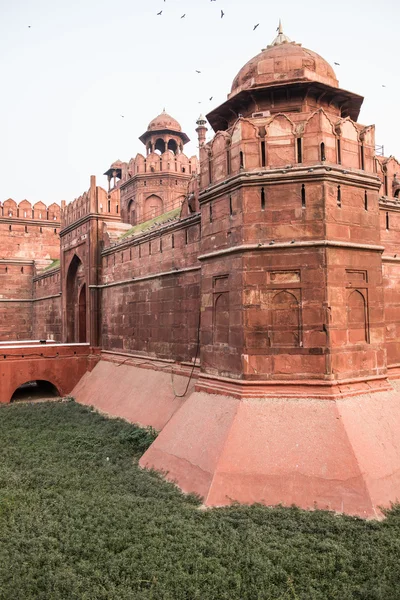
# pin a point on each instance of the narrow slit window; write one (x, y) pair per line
(262, 199)
(362, 157)
(140, 251)
(303, 196)
(228, 161)
(117, 208)
(172, 241)
(160, 244)
(211, 213)
(109, 206)
(241, 160)
(299, 150)
(339, 151)
(323, 156)
(209, 170)
(385, 181)
(26, 229)
(149, 248)
(230, 206)
(339, 197)
(186, 236)
(387, 221)
(366, 200)
(263, 158)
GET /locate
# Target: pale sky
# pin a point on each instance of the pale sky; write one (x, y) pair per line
(81, 64)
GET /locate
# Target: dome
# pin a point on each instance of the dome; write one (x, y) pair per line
(164, 121)
(283, 61)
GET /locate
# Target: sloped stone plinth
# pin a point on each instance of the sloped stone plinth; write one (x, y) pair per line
(341, 454)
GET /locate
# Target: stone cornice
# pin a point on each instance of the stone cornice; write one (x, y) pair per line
(29, 222)
(297, 174)
(145, 277)
(154, 233)
(290, 245)
(47, 273)
(89, 217)
(11, 300)
(16, 261)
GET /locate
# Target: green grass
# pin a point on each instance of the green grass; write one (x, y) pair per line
(147, 224)
(54, 265)
(79, 520)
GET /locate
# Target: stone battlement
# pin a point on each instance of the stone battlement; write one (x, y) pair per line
(95, 201)
(9, 209)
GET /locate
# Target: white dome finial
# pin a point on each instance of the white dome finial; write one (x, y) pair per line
(281, 38)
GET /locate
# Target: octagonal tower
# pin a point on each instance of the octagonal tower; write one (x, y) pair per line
(291, 254)
(157, 182)
(292, 323)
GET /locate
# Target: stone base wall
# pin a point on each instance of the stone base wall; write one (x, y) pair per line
(47, 323)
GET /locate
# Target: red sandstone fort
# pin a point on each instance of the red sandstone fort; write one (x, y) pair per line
(246, 303)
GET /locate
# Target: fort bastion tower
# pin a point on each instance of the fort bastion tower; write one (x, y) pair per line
(299, 284)
(290, 250)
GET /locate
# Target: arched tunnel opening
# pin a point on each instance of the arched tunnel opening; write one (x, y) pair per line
(35, 390)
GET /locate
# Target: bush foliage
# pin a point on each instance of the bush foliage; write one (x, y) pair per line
(80, 521)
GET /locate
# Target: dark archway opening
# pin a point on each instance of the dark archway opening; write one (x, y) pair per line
(35, 390)
(159, 146)
(173, 146)
(75, 284)
(82, 315)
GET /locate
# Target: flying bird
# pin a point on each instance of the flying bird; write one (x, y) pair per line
(198, 71)
(338, 64)
(160, 13)
(222, 13)
(183, 16)
(123, 116)
(383, 85)
(255, 26)
(29, 26)
(211, 98)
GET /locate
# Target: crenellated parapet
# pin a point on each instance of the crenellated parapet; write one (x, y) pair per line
(10, 209)
(76, 209)
(94, 201)
(159, 163)
(388, 170)
(287, 140)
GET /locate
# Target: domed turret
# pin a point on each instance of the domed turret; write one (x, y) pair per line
(284, 77)
(283, 61)
(164, 121)
(164, 133)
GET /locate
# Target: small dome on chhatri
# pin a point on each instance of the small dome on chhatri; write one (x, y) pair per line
(283, 61)
(164, 121)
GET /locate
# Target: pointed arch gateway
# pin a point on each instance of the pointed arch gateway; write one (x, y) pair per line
(76, 302)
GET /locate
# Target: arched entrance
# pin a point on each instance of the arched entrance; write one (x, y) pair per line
(76, 302)
(132, 213)
(35, 390)
(82, 315)
(153, 207)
